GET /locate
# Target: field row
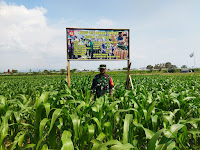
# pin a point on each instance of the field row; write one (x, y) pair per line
(42, 112)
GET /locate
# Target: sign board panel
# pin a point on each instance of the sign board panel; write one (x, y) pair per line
(97, 44)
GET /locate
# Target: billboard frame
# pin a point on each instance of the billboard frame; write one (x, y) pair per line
(68, 60)
(97, 59)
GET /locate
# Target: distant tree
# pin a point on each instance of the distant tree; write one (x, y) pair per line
(35, 73)
(157, 66)
(162, 65)
(184, 66)
(149, 67)
(46, 71)
(125, 68)
(62, 71)
(73, 70)
(168, 65)
(172, 68)
(85, 70)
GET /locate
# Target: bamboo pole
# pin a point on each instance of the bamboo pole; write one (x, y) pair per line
(128, 61)
(128, 74)
(131, 82)
(68, 73)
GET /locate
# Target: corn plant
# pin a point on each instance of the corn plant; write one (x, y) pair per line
(42, 112)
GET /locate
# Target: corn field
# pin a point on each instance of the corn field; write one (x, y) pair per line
(42, 112)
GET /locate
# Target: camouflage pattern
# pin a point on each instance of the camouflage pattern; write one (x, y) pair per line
(102, 84)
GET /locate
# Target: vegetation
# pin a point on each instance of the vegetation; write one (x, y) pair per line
(183, 66)
(166, 66)
(42, 112)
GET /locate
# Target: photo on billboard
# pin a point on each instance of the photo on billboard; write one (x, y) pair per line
(97, 44)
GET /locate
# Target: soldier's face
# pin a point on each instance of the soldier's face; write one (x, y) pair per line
(102, 70)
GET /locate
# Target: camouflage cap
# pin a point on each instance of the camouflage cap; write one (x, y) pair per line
(102, 66)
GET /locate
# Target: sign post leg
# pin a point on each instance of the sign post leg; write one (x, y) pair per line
(68, 73)
(131, 82)
(128, 74)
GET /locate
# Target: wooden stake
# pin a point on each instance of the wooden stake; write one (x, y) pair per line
(131, 82)
(68, 73)
(128, 61)
(128, 75)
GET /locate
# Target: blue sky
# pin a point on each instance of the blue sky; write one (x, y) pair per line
(33, 31)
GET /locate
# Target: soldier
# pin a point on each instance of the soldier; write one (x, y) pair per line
(102, 83)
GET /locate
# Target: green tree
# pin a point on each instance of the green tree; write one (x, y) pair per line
(159, 66)
(46, 71)
(125, 68)
(156, 66)
(172, 68)
(184, 66)
(168, 65)
(149, 67)
(62, 71)
(73, 70)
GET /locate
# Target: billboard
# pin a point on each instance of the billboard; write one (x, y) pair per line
(97, 44)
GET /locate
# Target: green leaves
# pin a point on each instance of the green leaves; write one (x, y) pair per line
(3, 105)
(127, 124)
(42, 125)
(55, 115)
(152, 142)
(42, 112)
(76, 124)
(66, 141)
(117, 145)
(166, 140)
(43, 99)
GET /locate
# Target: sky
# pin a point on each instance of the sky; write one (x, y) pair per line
(33, 32)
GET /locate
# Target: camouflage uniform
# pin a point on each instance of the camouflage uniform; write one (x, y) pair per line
(102, 84)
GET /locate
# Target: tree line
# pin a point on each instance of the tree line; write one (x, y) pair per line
(164, 66)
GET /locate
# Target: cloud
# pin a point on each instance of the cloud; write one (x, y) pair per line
(26, 38)
(105, 23)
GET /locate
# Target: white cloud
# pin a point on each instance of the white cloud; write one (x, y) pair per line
(105, 23)
(27, 39)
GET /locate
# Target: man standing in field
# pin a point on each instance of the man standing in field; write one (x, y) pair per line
(102, 83)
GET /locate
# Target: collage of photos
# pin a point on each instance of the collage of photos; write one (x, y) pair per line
(97, 44)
